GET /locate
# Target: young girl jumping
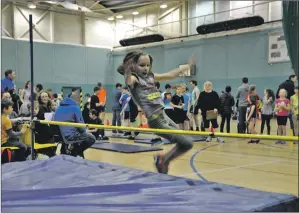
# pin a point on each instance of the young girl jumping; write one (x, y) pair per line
(137, 70)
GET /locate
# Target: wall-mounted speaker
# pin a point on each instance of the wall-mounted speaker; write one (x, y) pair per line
(141, 40)
(230, 25)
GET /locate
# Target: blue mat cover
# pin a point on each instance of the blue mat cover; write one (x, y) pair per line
(68, 184)
(124, 148)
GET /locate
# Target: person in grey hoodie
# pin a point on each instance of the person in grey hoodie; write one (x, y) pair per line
(242, 108)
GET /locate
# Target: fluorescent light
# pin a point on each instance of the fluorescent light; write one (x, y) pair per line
(163, 6)
(31, 6)
(111, 18)
(119, 16)
(135, 13)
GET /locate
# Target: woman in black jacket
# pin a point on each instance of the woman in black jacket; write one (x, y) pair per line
(226, 103)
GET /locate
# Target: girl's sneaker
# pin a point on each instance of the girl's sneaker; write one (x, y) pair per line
(160, 165)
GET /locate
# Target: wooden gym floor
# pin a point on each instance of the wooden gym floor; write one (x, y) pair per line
(265, 166)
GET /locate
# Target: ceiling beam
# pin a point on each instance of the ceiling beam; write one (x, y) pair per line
(124, 6)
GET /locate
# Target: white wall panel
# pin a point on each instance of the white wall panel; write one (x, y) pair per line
(123, 29)
(140, 23)
(170, 26)
(242, 9)
(67, 28)
(22, 25)
(99, 32)
(205, 8)
(275, 10)
(220, 8)
(261, 9)
(152, 16)
(7, 21)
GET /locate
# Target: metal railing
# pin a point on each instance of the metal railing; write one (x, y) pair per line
(187, 27)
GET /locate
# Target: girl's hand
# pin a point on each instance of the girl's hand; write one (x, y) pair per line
(192, 60)
(129, 66)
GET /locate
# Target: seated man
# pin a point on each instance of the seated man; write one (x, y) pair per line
(8, 136)
(69, 111)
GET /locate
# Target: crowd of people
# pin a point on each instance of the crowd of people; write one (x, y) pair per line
(188, 109)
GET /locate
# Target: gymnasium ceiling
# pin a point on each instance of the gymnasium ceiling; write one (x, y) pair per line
(103, 7)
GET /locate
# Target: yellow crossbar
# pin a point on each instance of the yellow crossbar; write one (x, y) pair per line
(166, 131)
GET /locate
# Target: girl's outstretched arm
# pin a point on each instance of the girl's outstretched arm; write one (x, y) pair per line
(174, 73)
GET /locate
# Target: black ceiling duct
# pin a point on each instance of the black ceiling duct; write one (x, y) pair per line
(230, 25)
(141, 40)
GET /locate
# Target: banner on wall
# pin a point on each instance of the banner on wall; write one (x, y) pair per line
(277, 50)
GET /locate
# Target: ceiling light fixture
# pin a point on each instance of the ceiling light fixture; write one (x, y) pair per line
(31, 6)
(163, 6)
(119, 16)
(111, 19)
(135, 13)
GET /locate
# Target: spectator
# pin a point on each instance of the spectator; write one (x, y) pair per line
(267, 110)
(242, 104)
(226, 103)
(167, 90)
(295, 110)
(55, 101)
(75, 95)
(289, 86)
(157, 85)
(69, 111)
(13, 115)
(116, 107)
(102, 97)
(87, 97)
(45, 112)
(38, 89)
(8, 136)
(187, 101)
(194, 107)
(125, 108)
(15, 99)
(251, 116)
(25, 99)
(94, 119)
(50, 92)
(209, 104)
(177, 102)
(85, 112)
(282, 108)
(7, 83)
(94, 100)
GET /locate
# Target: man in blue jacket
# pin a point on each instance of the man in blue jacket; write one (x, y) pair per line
(7, 84)
(69, 111)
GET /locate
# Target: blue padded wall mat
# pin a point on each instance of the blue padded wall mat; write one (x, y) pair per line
(68, 184)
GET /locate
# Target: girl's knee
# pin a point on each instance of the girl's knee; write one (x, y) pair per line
(186, 146)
